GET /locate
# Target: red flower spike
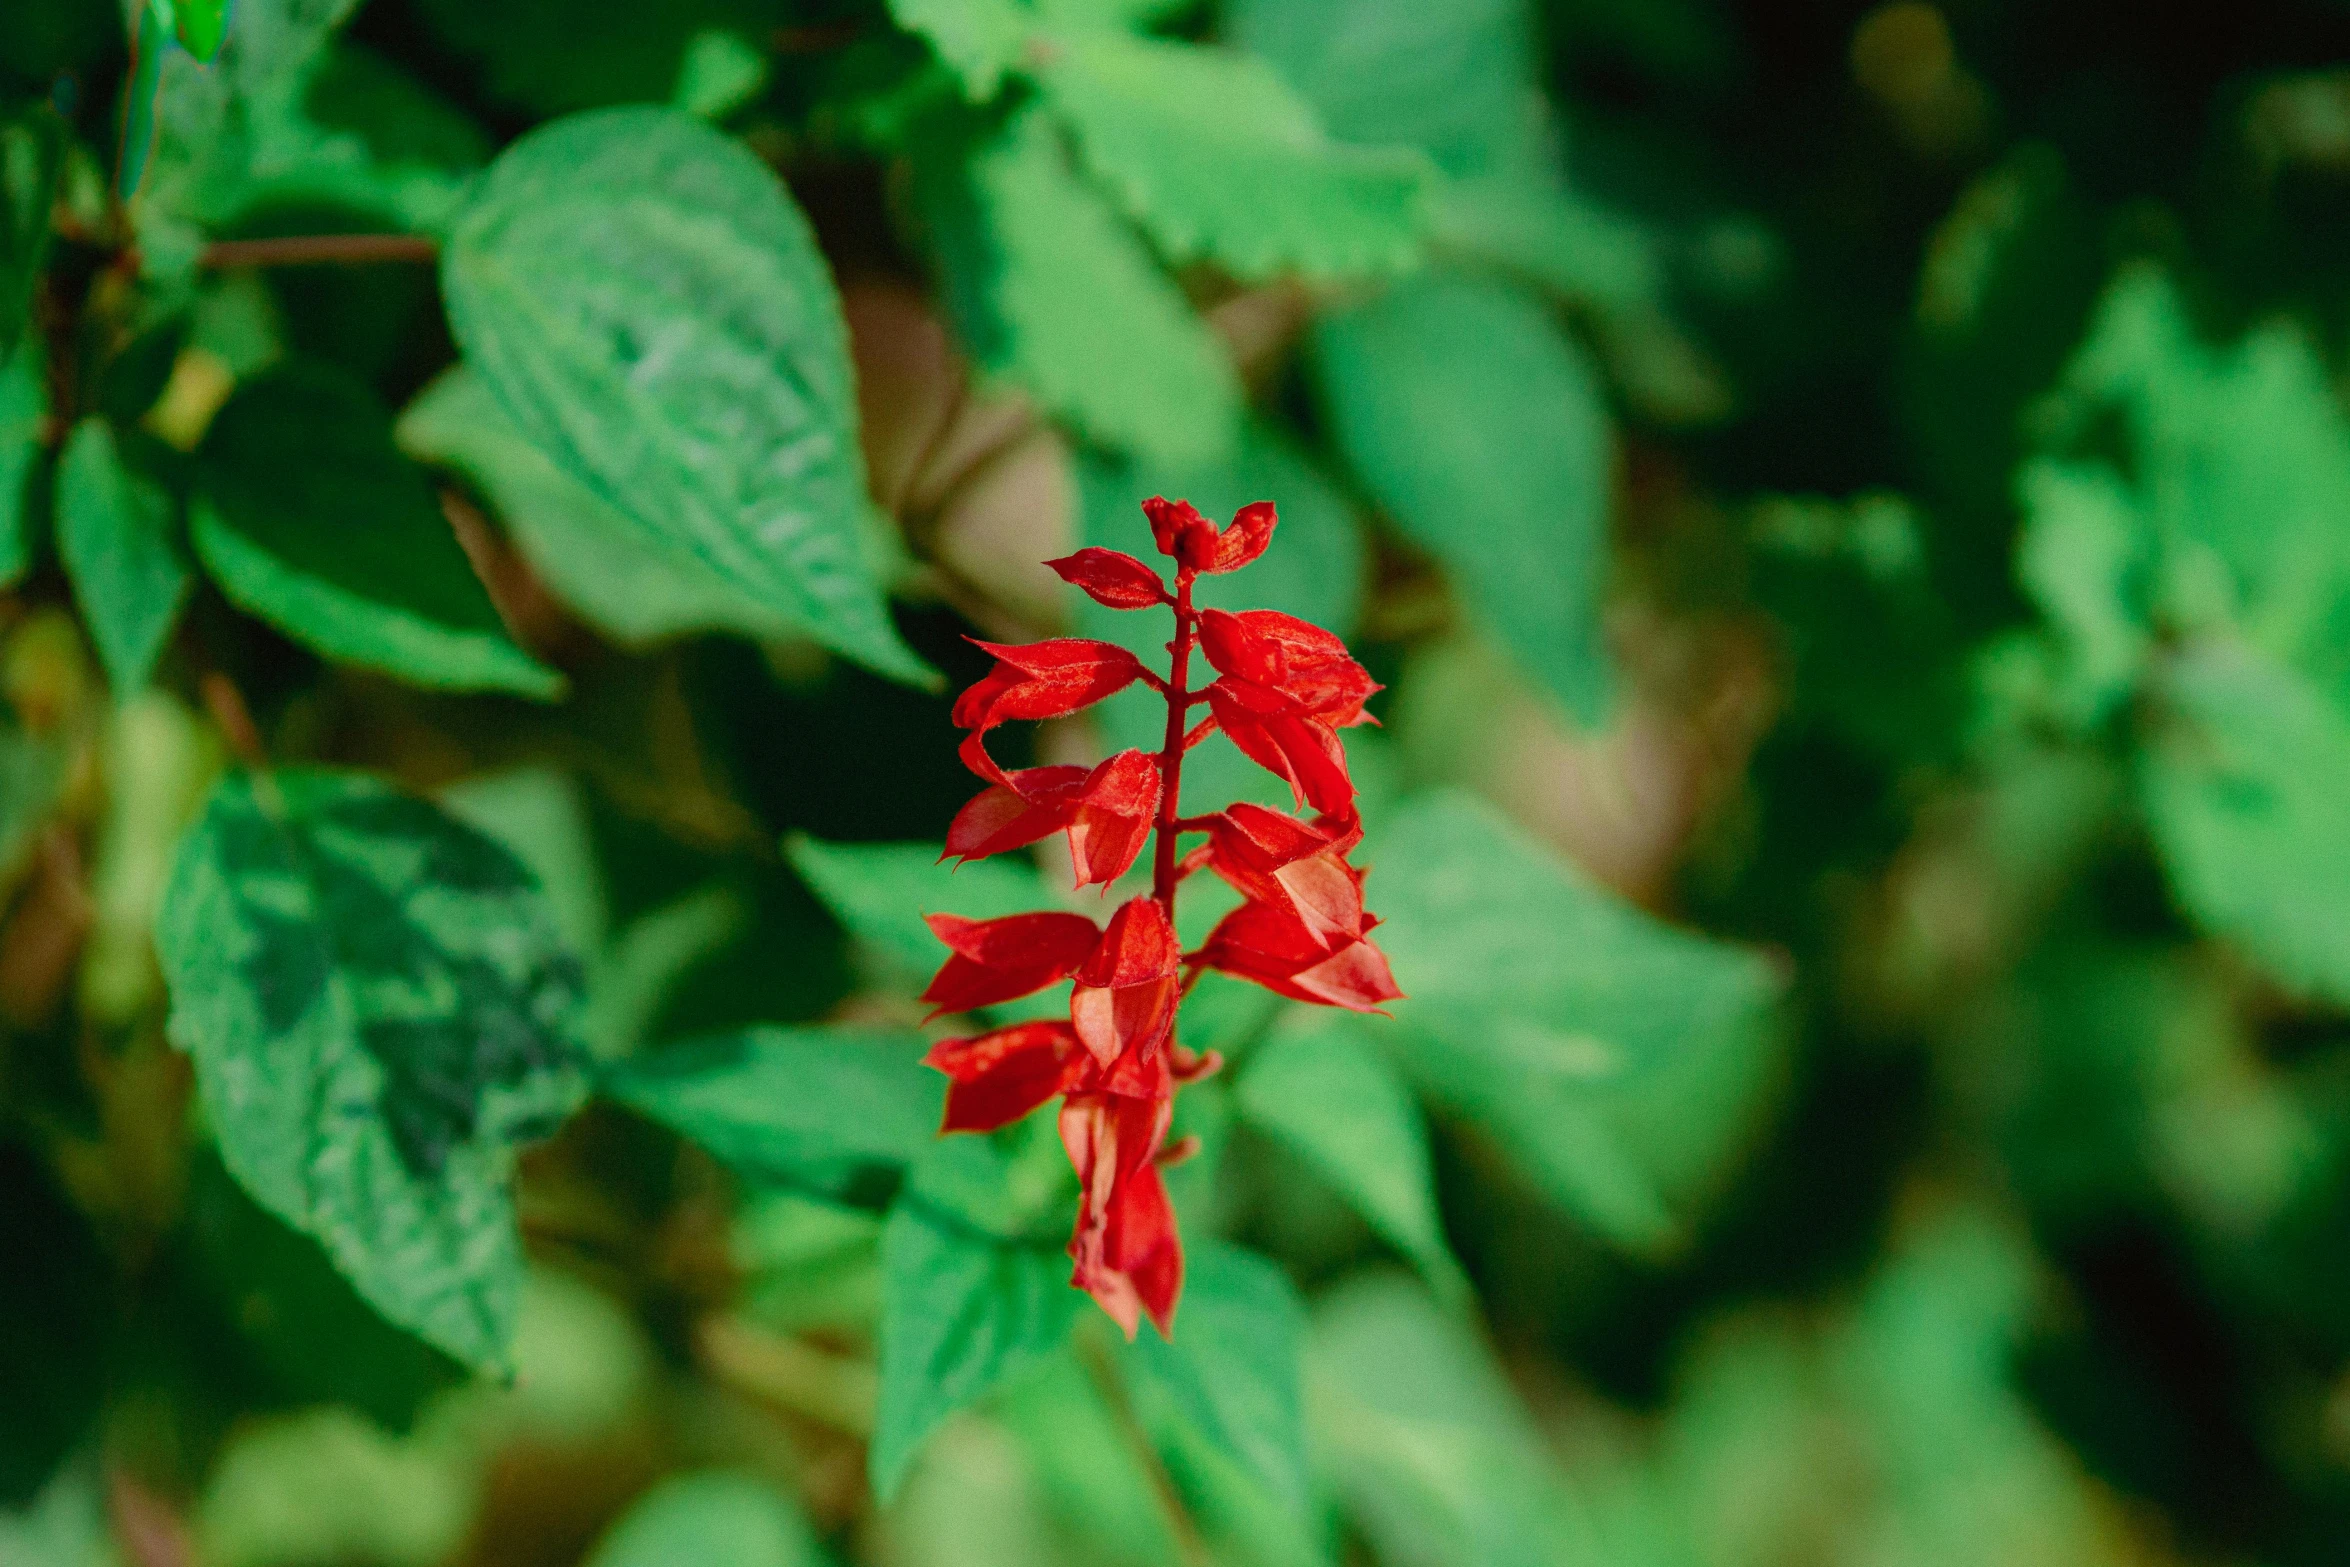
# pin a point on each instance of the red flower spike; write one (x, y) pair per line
(1124, 999)
(1245, 540)
(1113, 578)
(1004, 959)
(1293, 866)
(998, 1077)
(1270, 947)
(1286, 689)
(1113, 816)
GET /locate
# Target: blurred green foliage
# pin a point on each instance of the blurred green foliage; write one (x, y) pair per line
(1851, 503)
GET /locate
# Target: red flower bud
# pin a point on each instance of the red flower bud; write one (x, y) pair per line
(1245, 539)
(1004, 959)
(1294, 657)
(1045, 680)
(1271, 947)
(1126, 1250)
(1296, 867)
(996, 1078)
(1114, 578)
(1107, 814)
(1273, 732)
(1124, 999)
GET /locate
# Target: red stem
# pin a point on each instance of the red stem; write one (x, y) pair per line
(1163, 877)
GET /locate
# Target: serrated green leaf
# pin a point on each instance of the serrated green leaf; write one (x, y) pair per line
(1481, 428)
(1613, 1057)
(307, 516)
(880, 891)
(836, 1110)
(1053, 292)
(1232, 1366)
(2242, 784)
(981, 40)
(964, 1312)
(118, 539)
(592, 557)
(24, 413)
(1329, 1095)
(711, 1519)
(645, 300)
(1216, 158)
(379, 1007)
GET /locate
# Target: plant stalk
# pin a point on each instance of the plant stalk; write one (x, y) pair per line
(1163, 875)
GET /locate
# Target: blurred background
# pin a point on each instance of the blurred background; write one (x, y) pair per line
(1852, 506)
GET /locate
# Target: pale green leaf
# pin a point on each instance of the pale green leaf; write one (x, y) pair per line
(2083, 556)
(1054, 293)
(720, 73)
(32, 159)
(1481, 428)
(379, 1008)
(645, 300)
(710, 1519)
(880, 891)
(981, 40)
(965, 1309)
(1331, 1096)
(2242, 777)
(64, 1526)
(1219, 160)
(1232, 1368)
(24, 410)
(838, 1110)
(117, 537)
(1612, 1056)
(307, 516)
(592, 557)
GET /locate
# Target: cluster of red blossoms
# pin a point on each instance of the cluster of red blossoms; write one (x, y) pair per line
(1283, 691)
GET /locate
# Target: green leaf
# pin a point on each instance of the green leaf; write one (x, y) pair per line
(591, 556)
(1330, 1096)
(1480, 427)
(378, 1007)
(117, 536)
(2241, 777)
(198, 24)
(964, 1312)
(1613, 1057)
(307, 516)
(642, 296)
(838, 1110)
(1232, 1367)
(557, 56)
(1053, 292)
(1217, 159)
(2083, 557)
(24, 413)
(721, 72)
(32, 159)
(64, 1526)
(982, 40)
(710, 1519)
(881, 891)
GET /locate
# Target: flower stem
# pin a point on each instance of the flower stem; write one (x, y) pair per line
(1163, 876)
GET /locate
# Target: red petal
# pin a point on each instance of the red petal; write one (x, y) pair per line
(973, 708)
(1356, 977)
(1113, 818)
(999, 1077)
(1125, 995)
(1305, 752)
(1245, 540)
(1113, 577)
(1298, 659)
(1143, 1244)
(1110, 1139)
(1169, 519)
(1139, 945)
(1045, 680)
(1030, 804)
(1004, 959)
(1273, 947)
(1226, 640)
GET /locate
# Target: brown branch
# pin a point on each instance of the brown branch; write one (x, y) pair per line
(304, 250)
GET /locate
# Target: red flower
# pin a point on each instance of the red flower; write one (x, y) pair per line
(1002, 960)
(1273, 948)
(1127, 1252)
(1114, 578)
(1284, 691)
(1124, 1001)
(1107, 814)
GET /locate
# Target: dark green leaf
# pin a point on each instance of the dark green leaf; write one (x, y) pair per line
(594, 559)
(379, 1008)
(981, 39)
(32, 156)
(1332, 1097)
(710, 1519)
(1232, 1367)
(1053, 292)
(1613, 1056)
(556, 56)
(644, 299)
(964, 1311)
(1217, 159)
(2242, 776)
(880, 891)
(837, 1110)
(307, 516)
(24, 413)
(118, 538)
(1480, 427)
